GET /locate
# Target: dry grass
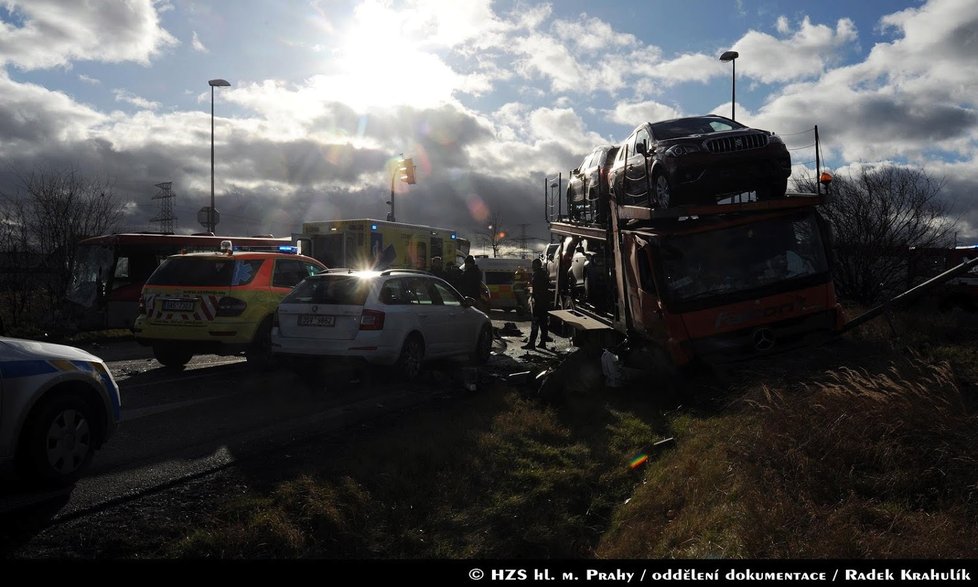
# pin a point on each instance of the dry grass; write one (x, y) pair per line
(491, 476)
(861, 463)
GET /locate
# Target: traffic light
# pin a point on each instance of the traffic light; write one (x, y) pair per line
(407, 171)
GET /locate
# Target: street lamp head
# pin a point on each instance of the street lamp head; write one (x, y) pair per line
(218, 83)
(729, 56)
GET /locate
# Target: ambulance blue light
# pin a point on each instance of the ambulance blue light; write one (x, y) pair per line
(288, 249)
(373, 227)
(453, 236)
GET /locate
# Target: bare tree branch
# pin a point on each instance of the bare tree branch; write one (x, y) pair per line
(45, 219)
(877, 215)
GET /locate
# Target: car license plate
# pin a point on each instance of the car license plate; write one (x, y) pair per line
(178, 305)
(315, 320)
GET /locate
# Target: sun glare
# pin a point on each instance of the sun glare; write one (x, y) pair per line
(382, 64)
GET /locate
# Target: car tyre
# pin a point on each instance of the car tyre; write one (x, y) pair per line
(171, 355)
(409, 362)
(662, 196)
(259, 354)
(60, 439)
(483, 346)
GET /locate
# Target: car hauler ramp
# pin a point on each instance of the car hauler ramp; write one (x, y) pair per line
(790, 201)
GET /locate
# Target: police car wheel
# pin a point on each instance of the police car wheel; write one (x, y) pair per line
(60, 439)
(172, 355)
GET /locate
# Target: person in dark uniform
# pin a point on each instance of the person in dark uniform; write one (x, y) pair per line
(470, 281)
(540, 298)
(438, 268)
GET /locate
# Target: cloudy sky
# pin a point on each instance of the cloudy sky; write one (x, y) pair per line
(489, 98)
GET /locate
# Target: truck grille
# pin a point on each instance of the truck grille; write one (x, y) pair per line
(738, 143)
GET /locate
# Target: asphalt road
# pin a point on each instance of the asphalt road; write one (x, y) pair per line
(218, 411)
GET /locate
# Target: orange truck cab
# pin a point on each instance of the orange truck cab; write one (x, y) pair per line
(721, 283)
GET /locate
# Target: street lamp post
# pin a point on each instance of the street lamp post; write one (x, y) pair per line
(213, 84)
(732, 56)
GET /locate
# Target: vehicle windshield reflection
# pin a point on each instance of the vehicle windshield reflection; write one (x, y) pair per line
(743, 258)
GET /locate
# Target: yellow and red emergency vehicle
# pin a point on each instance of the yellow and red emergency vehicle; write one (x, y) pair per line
(221, 302)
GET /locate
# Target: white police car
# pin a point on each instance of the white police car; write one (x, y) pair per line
(58, 404)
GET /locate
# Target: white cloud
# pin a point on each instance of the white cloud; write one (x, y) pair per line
(34, 119)
(806, 53)
(197, 44)
(593, 36)
(130, 98)
(695, 67)
(634, 114)
(783, 26)
(87, 79)
(56, 33)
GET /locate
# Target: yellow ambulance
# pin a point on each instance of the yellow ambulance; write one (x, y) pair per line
(366, 243)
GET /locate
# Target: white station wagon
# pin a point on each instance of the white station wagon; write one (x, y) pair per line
(396, 317)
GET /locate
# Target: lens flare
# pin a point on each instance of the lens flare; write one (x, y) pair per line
(478, 209)
(638, 461)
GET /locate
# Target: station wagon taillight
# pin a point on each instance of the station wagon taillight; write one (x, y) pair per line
(372, 320)
(228, 306)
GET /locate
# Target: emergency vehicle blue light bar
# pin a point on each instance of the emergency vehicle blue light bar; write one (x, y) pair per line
(288, 249)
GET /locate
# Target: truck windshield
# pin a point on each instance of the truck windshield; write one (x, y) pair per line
(784, 251)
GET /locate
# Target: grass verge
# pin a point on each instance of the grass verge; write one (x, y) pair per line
(493, 475)
(865, 449)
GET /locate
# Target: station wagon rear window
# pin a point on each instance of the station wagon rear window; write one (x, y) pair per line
(343, 290)
(205, 272)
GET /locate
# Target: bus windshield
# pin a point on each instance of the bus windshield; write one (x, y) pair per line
(92, 266)
(743, 259)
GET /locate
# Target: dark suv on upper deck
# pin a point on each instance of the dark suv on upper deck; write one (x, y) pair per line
(587, 186)
(696, 160)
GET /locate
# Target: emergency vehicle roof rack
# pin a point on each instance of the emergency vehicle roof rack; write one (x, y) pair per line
(287, 249)
(420, 271)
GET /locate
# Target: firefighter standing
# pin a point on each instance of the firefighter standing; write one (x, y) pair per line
(540, 306)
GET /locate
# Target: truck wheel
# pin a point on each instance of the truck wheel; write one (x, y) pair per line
(60, 439)
(662, 191)
(408, 365)
(171, 355)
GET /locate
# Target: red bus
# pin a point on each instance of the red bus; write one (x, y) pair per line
(110, 271)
